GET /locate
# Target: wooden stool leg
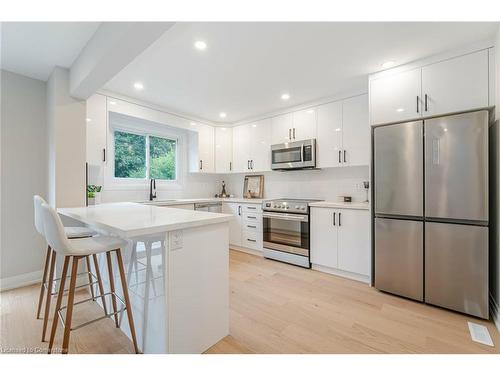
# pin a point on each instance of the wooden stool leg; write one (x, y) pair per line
(44, 279)
(99, 283)
(55, 321)
(91, 286)
(128, 306)
(69, 308)
(49, 294)
(112, 286)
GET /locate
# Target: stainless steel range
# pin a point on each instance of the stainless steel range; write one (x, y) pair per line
(286, 230)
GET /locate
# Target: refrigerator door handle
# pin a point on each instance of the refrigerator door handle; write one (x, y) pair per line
(435, 151)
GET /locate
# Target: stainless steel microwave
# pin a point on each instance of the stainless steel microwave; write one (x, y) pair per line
(294, 155)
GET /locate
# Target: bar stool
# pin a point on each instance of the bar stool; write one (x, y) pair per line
(47, 285)
(78, 249)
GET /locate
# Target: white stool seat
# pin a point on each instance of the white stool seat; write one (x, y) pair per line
(78, 232)
(94, 245)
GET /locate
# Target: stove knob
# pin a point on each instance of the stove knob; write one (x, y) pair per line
(297, 207)
(302, 208)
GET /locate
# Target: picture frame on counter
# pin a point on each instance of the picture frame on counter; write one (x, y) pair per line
(253, 186)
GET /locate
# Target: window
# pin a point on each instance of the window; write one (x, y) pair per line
(145, 156)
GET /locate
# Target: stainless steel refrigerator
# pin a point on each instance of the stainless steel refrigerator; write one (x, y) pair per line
(431, 211)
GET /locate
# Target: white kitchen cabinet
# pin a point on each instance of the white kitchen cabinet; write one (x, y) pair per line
(96, 130)
(344, 133)
(223, 150)
(456, 84)
(235, 225)
(329, 142)
(324, 244)
(201, 149)
(396, 97)
(252, 147)
(281, 128)
(354, 241)
(356, 132)
(340, 241)
(304, 124)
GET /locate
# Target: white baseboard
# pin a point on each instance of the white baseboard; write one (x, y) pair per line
(495, 312)
(341, 273)
(18, 281)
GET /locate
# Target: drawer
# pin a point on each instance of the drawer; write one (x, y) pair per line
(252, 240)
(252, 217)
(252, 226)
(250, 207)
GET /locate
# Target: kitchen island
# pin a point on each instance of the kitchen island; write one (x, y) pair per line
(177, 272)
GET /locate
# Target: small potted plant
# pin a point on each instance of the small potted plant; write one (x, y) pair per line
(94, 194)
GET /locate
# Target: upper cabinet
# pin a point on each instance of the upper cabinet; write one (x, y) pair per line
(201, 149)
(252, 147)
(456, 84)
(343, 133)
(396, 97)
(452, 85)
(96, 129)
(304, 124)
(281, 128)
(223, 150)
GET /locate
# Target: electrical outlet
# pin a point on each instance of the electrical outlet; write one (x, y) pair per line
(175, 240)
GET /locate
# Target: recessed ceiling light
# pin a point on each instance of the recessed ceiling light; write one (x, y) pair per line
(200, 44)
(222, 115)
(310, 111)
(285, 96)
(138, 86)
(193, 123)
(254, 125)
(388, 64)
(112, 102)
(88, 119)
(400, 110)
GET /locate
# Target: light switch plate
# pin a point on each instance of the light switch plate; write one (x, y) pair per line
(175, 240)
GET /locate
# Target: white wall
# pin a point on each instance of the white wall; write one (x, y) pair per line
(23, 174)
(66, 143)
(327, 184)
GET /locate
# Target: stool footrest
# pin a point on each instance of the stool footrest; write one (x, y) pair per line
(59, 312)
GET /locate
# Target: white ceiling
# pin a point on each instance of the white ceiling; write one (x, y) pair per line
(247, 66)
(33, 49)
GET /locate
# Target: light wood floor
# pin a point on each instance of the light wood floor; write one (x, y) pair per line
(278, 308)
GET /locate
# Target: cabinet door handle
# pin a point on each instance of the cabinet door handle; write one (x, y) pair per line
(425, 103)
(290, 133)
(418, 99)
(201, 165)
(340, 156)
(340, 223)
(344, 157)
(239, 210)
(334, 215)
(103, 154)
(248, 164)
(230, 166)
(293, 133)
(251, 164)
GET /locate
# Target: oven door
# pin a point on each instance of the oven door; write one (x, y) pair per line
(294, 155)
(287, 233)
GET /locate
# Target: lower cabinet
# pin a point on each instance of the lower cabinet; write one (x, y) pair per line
(340, 241)
(245, 229)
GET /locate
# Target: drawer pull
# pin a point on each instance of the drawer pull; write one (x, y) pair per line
(252, 217)
(251, 208)
(249, 239)
(252, 226)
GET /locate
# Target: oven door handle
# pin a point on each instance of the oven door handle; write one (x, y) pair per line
(289, 217)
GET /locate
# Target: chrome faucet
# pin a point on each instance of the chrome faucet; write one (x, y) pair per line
(152, 189)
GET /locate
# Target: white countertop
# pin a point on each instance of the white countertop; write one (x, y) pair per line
(129, 219)
(171, 202)
(347, 205)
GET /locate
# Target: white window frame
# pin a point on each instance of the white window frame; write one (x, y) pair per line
(162, 131)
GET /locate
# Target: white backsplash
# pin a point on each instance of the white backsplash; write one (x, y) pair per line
(327, 184)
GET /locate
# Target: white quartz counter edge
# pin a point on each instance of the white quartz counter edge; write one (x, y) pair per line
(346, 205)
(173, 202)
(147, 221)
